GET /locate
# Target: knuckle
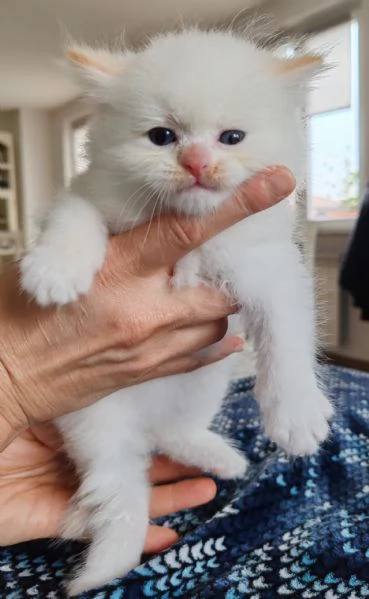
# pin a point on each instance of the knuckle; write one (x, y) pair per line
(204, 305)
(113, 322)
(183, 233)
(120, 333)
(129, 330)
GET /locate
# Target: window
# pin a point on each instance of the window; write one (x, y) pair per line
(78, 139)
(333, 112)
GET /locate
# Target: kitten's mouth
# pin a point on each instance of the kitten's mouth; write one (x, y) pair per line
(199, 185)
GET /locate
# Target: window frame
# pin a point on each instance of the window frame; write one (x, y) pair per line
(76, 124)
(76, 118)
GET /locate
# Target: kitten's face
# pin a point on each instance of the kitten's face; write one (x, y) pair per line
(193, 116)
(191, 169)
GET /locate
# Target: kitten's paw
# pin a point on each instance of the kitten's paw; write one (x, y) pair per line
(88, 578)
(77, 586)
(82, 584)
(299, 426)
(53, 277)
(209, 452)
(231, 465)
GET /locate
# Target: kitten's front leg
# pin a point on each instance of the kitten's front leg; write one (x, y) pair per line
(69, 252)
(281, 312)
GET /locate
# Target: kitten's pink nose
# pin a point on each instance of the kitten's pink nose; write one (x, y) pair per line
(195, 159)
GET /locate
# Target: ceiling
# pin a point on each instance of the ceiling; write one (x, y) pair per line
(32, 31)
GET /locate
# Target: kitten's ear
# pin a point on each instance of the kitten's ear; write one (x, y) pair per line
(96, 69)
(300, 69)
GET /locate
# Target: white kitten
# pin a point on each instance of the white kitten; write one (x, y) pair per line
(181, 124)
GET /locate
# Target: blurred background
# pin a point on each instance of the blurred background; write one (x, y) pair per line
(43, 123)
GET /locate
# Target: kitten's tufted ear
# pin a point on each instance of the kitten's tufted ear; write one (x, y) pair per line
(96, 69)
(300, 69)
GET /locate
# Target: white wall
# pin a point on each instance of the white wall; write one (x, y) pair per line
(37, 179)
(293, 13)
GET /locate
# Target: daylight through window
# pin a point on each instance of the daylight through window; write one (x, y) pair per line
(332, 107)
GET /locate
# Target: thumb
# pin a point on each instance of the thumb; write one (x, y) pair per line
(172, 236)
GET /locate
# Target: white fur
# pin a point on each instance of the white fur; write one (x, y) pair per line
(199, 84)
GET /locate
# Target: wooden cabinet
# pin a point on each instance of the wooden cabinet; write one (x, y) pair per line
(10, 235)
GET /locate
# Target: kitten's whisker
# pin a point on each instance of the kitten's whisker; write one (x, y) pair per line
(128, 203)
(147, 202)
(137, 220)
(151, 219)
(164, 195)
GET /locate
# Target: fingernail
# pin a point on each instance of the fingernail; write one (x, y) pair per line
(281, 182)
(234, 344)
(234, 308)
(239, 346)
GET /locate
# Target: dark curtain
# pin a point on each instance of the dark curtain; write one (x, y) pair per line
(354, 275)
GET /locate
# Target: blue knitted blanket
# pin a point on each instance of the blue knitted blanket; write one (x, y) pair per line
(289, 529)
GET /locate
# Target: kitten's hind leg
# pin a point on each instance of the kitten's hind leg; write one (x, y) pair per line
(206, 450)
(183, 432)
(110, 507)
(295, 410)
(115, 496)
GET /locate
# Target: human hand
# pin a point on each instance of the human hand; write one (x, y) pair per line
(36, 483)
(133, 325)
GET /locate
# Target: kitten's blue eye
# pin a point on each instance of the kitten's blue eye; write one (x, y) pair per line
(232, 137)
(161, 136)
